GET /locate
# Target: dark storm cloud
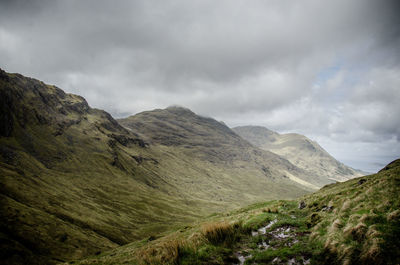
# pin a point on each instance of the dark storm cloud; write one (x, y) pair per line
(325, 68)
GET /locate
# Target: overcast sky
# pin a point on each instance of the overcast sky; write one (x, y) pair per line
(326, 69)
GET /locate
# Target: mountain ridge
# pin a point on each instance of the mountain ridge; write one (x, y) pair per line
(208, 139)
(299, 150)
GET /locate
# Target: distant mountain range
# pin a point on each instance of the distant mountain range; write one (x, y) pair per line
(300, 151)
(75, 182)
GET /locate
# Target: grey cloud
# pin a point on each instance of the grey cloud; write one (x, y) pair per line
(321, 68)
(208, 40)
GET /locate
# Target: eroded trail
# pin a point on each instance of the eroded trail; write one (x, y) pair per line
(283, 239)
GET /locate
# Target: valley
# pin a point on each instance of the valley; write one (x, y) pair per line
(354, 222)
(73, 177)
(169, 186)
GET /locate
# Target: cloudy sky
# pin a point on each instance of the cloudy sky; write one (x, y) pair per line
(326, 69)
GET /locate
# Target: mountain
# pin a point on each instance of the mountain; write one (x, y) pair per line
(213, 144)
(352, 222)
(214, 148)
(300, 151)
(74, 182)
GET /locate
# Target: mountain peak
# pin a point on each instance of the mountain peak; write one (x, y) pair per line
(179, 126)
(179, 109)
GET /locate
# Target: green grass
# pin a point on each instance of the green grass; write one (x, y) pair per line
(258, 221)
(360, 227)
(216, 238)
(356, 230)
(283, 253)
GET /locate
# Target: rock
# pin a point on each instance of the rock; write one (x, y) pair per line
(314, 219)
(361, 181)
(302, 205)
(327, 208)
(266, 171)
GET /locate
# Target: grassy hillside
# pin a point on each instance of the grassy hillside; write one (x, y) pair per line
(74, 182)
(359, 221)
(355, 222)
(300, 151)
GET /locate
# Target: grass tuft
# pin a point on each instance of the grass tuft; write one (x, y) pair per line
(220, 232)
(167, 252)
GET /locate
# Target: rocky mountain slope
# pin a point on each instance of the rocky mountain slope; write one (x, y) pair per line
(300, 151)
(353, 222)
(212, 142)
(74, 182)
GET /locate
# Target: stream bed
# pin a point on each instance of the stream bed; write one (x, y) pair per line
(283, 236)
